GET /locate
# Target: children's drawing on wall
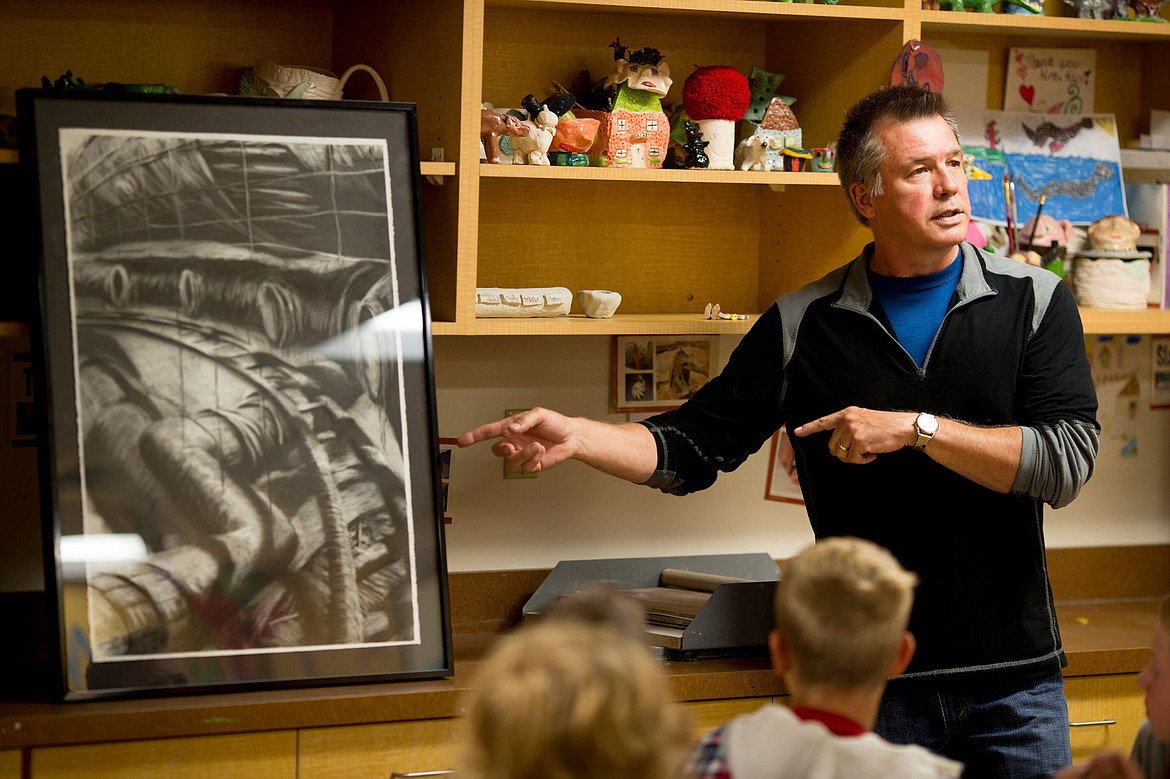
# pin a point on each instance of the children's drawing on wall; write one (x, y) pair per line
(1160, 371)
(1073, 162)
(1118, 366)
(1050, 81)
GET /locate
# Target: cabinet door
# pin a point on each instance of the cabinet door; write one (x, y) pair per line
(1104, 713)
(710, 714)
(246, 756)
(10, 764)
(377, 751)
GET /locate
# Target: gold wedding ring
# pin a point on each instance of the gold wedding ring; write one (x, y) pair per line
(841, 447)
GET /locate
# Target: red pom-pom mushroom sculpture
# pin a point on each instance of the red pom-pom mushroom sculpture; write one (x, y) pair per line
(717, 96)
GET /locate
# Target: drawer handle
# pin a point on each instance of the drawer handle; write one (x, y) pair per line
(1092, 723)
(418, 774)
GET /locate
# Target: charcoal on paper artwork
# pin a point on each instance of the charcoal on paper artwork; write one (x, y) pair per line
(265, 476)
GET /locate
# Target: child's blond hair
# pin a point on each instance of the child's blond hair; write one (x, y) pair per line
(842, 606)
(566, 700)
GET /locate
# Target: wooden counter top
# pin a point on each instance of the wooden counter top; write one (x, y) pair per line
(1100, 637)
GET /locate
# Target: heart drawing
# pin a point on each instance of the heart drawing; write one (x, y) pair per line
(1028, 92)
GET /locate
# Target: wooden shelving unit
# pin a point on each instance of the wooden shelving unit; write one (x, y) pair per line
(740, 239)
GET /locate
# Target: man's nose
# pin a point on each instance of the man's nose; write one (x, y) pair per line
(948, 180)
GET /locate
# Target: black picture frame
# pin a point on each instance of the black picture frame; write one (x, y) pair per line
(238, 381)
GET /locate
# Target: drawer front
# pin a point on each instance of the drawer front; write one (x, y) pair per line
(1104, 712)
(245, 756)
(377, 751)
(709, 714)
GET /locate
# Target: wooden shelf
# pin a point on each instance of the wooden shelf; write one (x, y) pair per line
(741, 9)
(567, 173)
(1099, 321)
(437, 168)
(1096, 321)
(1019, 25)
(578, 324)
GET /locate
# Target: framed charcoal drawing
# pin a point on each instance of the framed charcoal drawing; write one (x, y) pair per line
(239, 392)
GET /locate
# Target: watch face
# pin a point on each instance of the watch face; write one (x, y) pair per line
(927, 424)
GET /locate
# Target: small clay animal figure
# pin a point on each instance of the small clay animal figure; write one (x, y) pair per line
(1147, 10)
(1091, 9)
(493, 124)
(752, 153)
(695, 145)
(533, 148)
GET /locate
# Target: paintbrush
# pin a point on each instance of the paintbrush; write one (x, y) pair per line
(1036, 221)
(1015, 218)
(1007, 204)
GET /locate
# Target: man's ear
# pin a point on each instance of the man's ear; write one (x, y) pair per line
(781, 653)
(905, 653)
(862, 199)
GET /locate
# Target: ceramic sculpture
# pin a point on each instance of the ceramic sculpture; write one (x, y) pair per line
(494, 124)
(598, 303)
(918, 64)
(717, 96)
(1114, 273)
(695, 147)
(634, 132)
(780, 129)
(522, 302)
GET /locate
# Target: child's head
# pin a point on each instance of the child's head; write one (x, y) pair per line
(568, 700)
(599, 604)
(842, 607)
(1155, 677)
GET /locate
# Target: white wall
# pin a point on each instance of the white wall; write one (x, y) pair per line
(574, 512)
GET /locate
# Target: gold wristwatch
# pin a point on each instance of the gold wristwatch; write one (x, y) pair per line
(927, 426)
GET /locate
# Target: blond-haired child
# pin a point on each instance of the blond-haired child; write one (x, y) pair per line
(572, 699)
(841, 611)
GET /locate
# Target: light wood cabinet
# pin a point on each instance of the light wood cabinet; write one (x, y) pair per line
(272, 755)
(1104, 713)
(10, 764)
(670, 241)
(377, 751)
(706, 715)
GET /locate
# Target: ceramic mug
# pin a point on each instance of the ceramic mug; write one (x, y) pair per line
(824, 159)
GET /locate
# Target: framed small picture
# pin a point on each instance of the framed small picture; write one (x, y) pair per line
(241, 473)
(782, 485)
(659, 372)
(1160, 371)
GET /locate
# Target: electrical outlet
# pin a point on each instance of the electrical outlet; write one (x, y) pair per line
(509, 471)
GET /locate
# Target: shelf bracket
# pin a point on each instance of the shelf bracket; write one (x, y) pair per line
(437, 155)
